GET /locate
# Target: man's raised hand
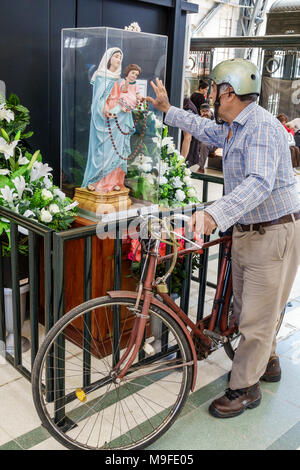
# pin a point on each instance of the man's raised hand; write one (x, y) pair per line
(161, 100)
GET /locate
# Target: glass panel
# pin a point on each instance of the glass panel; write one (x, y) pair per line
(111, 138)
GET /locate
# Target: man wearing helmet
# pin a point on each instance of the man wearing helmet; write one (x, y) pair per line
(262, 205)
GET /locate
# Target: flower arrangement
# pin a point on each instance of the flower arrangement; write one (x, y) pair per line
(26, 183)
(175, 183)
(133, 27)
(159, 173)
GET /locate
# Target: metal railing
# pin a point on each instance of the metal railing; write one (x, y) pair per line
(47, 248)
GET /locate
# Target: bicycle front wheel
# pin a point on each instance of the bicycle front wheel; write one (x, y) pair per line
(75, 390)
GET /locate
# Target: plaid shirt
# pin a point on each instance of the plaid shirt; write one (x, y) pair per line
(259, 182)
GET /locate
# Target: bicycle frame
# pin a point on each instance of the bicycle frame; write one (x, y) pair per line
(218, 316)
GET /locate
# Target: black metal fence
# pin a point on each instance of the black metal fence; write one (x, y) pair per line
(47, 263)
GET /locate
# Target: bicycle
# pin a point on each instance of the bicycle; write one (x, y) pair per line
(135, 354)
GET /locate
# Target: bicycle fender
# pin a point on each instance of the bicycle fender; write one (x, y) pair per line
(162, 306)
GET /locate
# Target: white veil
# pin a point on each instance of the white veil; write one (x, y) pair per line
(102, 70)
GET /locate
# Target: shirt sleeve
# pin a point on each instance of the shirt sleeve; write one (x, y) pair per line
(261, 163)
(203, 129)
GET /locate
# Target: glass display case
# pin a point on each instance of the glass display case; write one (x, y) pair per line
(110, 136)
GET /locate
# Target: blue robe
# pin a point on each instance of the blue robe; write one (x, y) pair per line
(102, 158)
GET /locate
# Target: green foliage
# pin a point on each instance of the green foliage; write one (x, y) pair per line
(26, 184)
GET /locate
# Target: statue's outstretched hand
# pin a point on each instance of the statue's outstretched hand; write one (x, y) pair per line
(161, 100)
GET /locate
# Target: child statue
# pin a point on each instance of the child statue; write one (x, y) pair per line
(109, 148)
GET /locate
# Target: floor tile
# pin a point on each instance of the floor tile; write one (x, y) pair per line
(17, 412)
(254, 430)
(49, 444)
(4, 437)
(288, 441)
(11, 445)
(8, 374)
(33, 438)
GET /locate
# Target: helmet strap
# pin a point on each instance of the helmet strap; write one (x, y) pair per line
(217, 105)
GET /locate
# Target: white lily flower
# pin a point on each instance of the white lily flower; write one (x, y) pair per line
(46, 216)
(39, 170)
(71, 206)
(20, 184)
(4, 172)
(8, 194)
(29, 213)
(7, 149)
(180, 195)
(47, 182)
(23, 160)
(6, 114)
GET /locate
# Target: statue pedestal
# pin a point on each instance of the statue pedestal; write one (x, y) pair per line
(102, 203)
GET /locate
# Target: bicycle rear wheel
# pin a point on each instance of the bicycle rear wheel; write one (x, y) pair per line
(74, 388)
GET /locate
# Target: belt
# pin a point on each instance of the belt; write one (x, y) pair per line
(259, 227)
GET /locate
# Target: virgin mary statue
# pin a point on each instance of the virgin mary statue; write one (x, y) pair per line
(105, 170)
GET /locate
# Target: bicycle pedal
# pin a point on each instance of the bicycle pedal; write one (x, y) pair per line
(214, 335)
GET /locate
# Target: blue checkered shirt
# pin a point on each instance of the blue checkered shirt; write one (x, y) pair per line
(259, 182)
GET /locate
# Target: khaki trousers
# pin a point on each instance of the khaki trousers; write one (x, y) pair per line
(263, 271)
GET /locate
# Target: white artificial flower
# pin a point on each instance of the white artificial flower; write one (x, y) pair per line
(59, 193)
(46, 194)
(20, 184)
(180, 157)
(71, 206)
(180, 195)
(46, 216)
(29, 213)
(8, 194)
(163, 168)
(163, 180)
(167, 141)
(156, 140)
(23, 160)
(6, 114)
(47, 182)
(4, 172)
(133, 27)
(39, 170)
(176, 182)
(187, 172)
(146, 167)
(187, 180)
(191, 192)
(54, 209)
(7, 149)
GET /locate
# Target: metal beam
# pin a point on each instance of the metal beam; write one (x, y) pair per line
(185, 5)
(274, 41)
(204, 21)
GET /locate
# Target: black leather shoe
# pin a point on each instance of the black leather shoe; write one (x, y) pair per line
(235, 402)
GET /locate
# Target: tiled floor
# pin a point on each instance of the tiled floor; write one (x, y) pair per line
(275, 424)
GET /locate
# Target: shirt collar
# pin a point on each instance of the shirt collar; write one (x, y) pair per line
(244, 115)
